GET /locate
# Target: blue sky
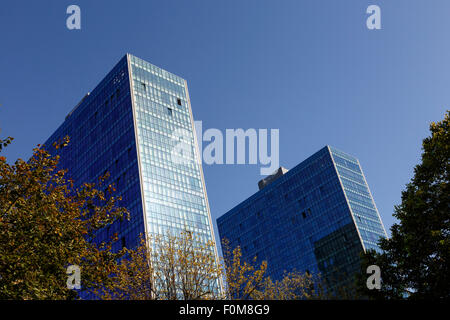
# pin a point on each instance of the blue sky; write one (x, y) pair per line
(309, 68)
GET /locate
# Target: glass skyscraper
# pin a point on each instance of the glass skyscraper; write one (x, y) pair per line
(315, 218)
(129, 126)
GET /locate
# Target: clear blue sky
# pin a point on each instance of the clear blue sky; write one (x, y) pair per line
(310, 68)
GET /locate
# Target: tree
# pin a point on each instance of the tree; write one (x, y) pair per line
(293, 286)
(415, 262)
(179, 267)
(133, 277)
(185, 268)
(46, 225)
(169, 267)
(243, 280)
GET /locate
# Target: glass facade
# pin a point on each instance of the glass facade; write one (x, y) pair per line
(174, 193)
(127, 126)
(314, 218)
(362, 205)
(102, 139)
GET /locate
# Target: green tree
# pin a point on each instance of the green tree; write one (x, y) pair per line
(46, 225)
(415, 262)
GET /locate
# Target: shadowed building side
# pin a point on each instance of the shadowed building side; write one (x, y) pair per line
(316, 218)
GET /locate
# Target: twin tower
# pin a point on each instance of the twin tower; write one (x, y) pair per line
(316, 217)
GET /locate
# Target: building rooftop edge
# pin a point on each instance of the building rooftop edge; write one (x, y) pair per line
(291, 171)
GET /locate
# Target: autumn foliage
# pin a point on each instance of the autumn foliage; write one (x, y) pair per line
(46, 225)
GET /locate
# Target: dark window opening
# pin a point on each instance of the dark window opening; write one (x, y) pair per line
(117, 93)
(304, 214)
(123, 242)
(144, 87)
(179, 101)
(169, 111)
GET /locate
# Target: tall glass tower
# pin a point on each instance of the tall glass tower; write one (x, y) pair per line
(314, 218)
(132, 125)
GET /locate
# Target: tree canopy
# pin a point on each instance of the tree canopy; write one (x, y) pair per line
(415, 262)
(46, 225)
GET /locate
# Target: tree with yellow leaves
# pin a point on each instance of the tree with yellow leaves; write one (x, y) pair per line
(180, 267)
(46, 225)
(169, 267)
